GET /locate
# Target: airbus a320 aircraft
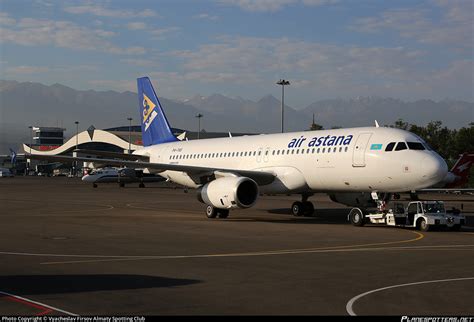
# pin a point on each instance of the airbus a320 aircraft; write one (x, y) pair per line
(231, 172)
(120, 176)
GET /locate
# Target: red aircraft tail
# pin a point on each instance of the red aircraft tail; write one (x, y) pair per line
(461, 170)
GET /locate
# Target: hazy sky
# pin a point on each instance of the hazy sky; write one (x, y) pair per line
(326, 48)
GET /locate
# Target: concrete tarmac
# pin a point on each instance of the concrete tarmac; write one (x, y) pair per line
(67, 248)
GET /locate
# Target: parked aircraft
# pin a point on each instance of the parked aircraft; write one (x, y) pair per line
(120, 176)
(231, 172)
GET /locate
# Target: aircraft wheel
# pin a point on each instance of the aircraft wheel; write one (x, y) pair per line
(356, 216)
(121, 184)
(141, 185)
(423, 225)
(223, 213)
(211, 212)
(297, 209)
(94, 185)
(308, 209)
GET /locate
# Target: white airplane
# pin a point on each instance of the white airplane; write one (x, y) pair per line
(120, 176)
(231, 172)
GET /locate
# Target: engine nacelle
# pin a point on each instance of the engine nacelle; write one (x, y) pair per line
(229, 193)
(358, 199)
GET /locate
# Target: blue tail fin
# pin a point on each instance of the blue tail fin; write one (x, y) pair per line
(12, 156)
(155, 126)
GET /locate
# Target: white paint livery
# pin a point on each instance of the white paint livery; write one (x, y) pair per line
(344, 168)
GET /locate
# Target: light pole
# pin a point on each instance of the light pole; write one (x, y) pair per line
(282, 82)
(77, 131)
(31, 143)
(31, 136)
(199, 115)
(129, 135)
(77, 138)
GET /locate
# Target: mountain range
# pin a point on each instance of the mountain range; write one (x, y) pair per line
(27, 103)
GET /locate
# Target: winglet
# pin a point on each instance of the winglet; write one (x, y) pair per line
(377, 124)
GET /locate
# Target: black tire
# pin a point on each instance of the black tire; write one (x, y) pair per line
(121, 184)
(94, 185)
(211, 212)
(308, 208)
(356, 217)
(223, 213)
(297, 209)
(423, 225)
(141, 185)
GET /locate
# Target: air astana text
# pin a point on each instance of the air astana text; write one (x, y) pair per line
(329, 140)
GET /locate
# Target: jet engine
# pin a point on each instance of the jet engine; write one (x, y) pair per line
(229, 193)
(358, 199)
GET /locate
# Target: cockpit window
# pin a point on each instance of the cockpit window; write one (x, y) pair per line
(401, 146)
(415, 146)
(390, 146)
(427, 146)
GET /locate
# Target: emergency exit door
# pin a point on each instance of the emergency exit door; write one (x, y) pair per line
(358, 156)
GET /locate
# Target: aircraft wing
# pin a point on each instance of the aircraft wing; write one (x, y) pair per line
(260, 177)
(125, 156)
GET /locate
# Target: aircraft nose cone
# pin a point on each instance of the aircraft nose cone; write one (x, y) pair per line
(433, 169)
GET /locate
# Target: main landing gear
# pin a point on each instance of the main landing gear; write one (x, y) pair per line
(213, 212)
(303, 207)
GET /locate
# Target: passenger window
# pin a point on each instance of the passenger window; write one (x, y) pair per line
(390, 146)
(313, 150)
(292, 151)
(340, 149)
(401, 146)
(319, 150)
(297, 151)
(345, 150)
(334, 150)
(324, 150)
(415, 146)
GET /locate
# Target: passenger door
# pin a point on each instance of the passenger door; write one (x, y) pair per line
(358, 156)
